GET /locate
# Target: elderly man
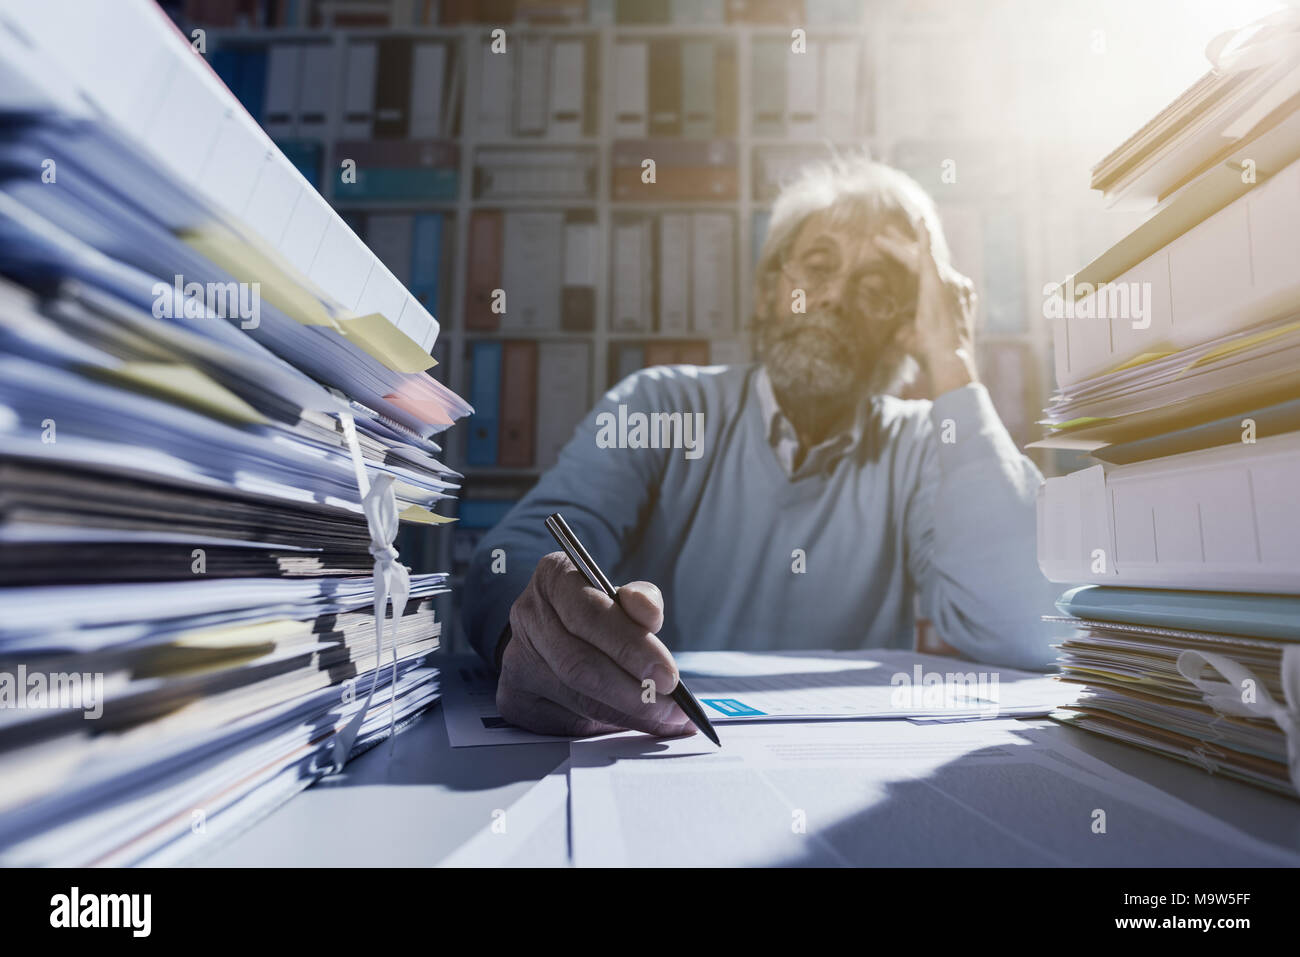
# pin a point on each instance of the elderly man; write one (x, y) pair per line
(816, 506)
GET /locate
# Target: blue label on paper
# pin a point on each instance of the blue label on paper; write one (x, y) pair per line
(730, 707)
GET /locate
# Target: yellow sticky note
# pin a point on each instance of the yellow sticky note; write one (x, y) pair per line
(383, 340)
(283, 286)
(240, 636)
(422, 516)
(1075, 423)
(292, 293)
(1246, 342)
(407, 490)
(208, 649)
(1138, 360)
(188, 386)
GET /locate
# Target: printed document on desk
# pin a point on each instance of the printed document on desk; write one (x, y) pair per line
(879, 683)
(469, 708)
(881, 793)
(798, 686)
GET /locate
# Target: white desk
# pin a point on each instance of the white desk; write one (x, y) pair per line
(416, 808)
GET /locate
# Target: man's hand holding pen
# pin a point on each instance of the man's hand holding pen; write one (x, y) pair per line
(578, 661)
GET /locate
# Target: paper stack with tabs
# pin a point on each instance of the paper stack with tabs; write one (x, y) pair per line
(214, 417)
(1178, 366)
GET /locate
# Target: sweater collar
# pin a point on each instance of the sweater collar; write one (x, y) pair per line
(784, 440)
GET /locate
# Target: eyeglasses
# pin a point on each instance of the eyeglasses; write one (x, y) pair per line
(876, 295)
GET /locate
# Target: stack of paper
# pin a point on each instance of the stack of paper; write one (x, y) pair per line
(1178, 365)
(1141, 681)
(1241, 102)
(205, 459)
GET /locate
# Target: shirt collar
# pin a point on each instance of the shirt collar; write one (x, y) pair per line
(783, 438)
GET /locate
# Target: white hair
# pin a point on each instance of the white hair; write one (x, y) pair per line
(852, 190)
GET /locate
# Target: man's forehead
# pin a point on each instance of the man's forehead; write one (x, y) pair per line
(848, 231)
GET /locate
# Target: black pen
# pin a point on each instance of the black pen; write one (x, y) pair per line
(559, 528)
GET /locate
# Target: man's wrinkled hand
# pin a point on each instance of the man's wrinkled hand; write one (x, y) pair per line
(579, 663)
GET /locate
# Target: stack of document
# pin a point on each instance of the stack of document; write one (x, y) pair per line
(1243, 107)
(1178, 365)
(1138, 655)
(205, 459)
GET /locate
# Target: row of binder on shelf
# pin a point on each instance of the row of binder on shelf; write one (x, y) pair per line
(424, 171)
(407, 13)
(536, 86)
(674, 273)
(427, 171)
(535, 271)
(792, 12)
(528, 396)
(532, 270)
(510, 173)
(669, 87)
(367, 171)
(542, 87)
(687, 87)
(386, 88)
(416, 248)
(684, 170)
(816, 91)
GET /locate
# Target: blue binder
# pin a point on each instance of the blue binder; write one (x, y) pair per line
(485, 396)
(483, 513)
(252, 82)
(305, 155)
(244, 73)
(226, 64)
(1221, 612)
(426, 256)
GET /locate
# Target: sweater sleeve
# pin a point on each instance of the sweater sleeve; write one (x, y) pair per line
(604, 494)
(970, 532)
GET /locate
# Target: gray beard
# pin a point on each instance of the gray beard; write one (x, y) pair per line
(820, 372)
(813, 381)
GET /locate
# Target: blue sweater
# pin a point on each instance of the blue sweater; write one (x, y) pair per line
(749, 557)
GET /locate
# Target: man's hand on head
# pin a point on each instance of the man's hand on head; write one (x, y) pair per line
(578, 663)
(942, 335)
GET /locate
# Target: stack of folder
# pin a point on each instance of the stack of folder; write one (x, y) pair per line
(206, 455)
(1178, 364)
